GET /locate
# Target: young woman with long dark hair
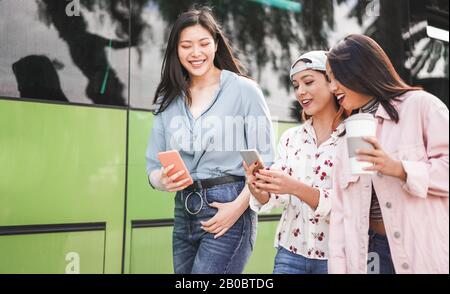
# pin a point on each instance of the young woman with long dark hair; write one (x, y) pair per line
(397, 218)
(208, 110)
(300, 178)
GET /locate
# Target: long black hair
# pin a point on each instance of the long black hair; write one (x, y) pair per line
(361, 65)
(174, 77)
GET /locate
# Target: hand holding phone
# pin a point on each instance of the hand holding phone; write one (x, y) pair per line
(174, 174)
(252, 164)
(251, 157)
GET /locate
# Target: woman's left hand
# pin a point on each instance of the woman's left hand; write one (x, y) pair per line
(276, 182)
(382, 162)
(226, 216)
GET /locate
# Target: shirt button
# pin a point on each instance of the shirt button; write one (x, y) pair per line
(397, 235)
(388, 204)
(405, 266)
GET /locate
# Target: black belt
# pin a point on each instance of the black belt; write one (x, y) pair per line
(209, 183)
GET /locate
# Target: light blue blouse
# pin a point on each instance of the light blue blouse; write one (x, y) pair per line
(237, 119)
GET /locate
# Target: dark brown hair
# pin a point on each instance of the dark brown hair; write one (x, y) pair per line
(361, 65)
(174, 78)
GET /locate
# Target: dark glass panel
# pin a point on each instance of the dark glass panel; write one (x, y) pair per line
(428, 57)
(60, 50)
(269, 35)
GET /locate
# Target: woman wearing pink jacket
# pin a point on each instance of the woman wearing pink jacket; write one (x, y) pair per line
(397, 220)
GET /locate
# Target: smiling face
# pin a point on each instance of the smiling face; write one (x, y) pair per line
(312, 91)
(196, 50)
(347, 98)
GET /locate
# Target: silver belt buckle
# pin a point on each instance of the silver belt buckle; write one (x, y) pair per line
(187, 199)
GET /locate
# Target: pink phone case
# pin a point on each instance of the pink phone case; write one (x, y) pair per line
(173, 157)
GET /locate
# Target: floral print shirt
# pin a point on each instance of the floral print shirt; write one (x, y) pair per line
(303, 230)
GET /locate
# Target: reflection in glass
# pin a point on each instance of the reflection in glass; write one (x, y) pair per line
(91, 49)
(268, 37)
(37, 78)
(427, 60)
(91, 57)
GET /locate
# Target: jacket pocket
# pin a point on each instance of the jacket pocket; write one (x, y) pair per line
(411, 152)
(347, 180)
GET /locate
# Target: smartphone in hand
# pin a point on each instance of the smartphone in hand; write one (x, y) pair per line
(173, 157)
(251, 156)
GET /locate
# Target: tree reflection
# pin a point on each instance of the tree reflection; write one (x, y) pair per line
(89, 51)
(405, 40)
(264, 36)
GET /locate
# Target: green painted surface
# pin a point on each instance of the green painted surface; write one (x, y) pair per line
(263, 256)
(56, 253)
(151, 251)
(64, 164)
(143, 203)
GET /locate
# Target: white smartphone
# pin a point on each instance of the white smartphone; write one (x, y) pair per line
(251, 156)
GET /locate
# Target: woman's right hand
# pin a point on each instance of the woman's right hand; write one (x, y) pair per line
(250, 174)
(169, 183)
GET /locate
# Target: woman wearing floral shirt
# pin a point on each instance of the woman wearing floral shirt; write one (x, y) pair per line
(299, 180)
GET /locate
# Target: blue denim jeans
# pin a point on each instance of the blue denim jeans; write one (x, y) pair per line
(195, 251)
(287, 262)
(380, 260)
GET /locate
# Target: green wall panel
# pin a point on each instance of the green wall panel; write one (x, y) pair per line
(64, 164)
(55, 253)
(151, 251)
(143, 201)
(263, 256)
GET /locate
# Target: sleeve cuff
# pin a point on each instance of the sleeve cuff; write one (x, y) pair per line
(274, 202)
(255, 205)
(417, 178)
(153, 180)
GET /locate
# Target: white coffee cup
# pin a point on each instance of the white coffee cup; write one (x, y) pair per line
(357, 127)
